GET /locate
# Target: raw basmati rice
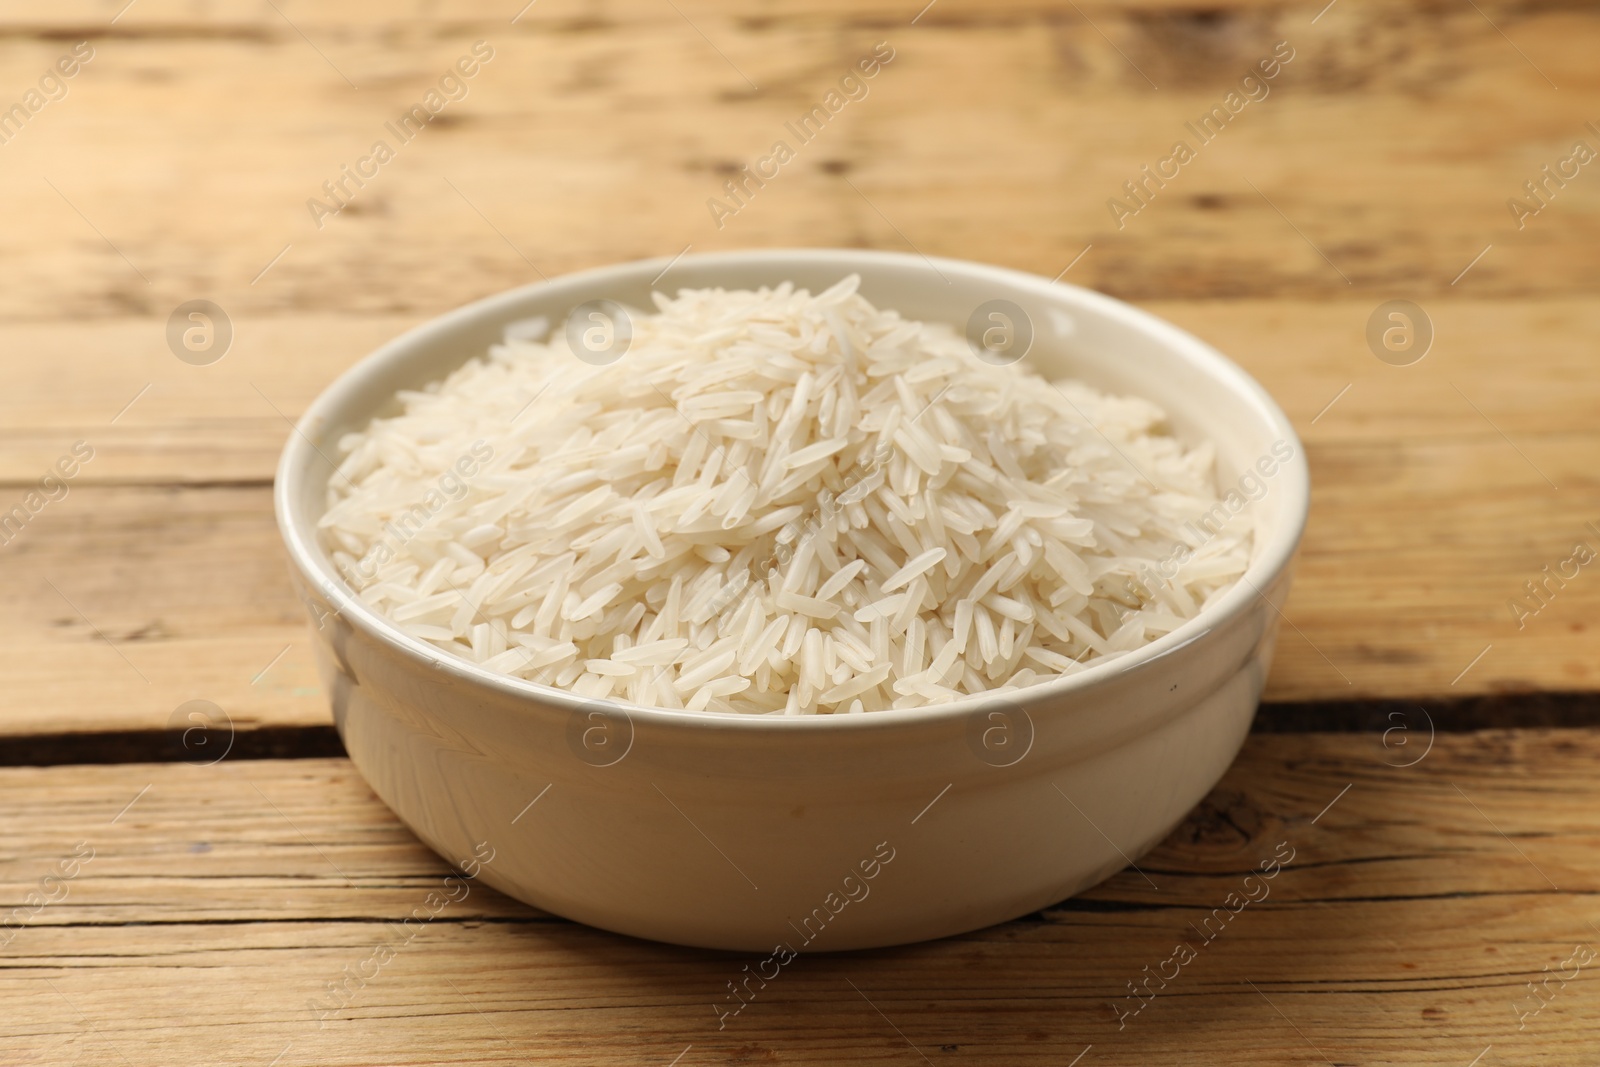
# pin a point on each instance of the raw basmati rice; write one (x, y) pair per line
(776, 503)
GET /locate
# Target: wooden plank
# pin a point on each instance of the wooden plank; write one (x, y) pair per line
(152, 419)
(172, 18)
(118, 604)
(1439, 490)
(1418, 905)
(1392, 142)
(1416, 492)
(1520, 368)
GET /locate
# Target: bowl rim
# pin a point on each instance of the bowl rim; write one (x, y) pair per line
(1269, 563)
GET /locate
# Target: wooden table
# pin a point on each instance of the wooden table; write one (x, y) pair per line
(1426, 750)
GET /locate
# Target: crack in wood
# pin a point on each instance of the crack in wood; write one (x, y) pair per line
(1469, 715)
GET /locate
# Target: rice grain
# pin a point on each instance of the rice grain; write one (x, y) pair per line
(777, 503)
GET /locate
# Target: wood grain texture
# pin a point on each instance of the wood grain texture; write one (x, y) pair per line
(1417, 906)
(1387, 146)
(222, 900)
(121, 604)
(1502, 375)
(1392, 142)
(1431, 509)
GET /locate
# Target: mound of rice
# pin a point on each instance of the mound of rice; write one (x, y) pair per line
(776, 502)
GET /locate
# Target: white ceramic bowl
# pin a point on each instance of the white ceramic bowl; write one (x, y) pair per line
(810, 833)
